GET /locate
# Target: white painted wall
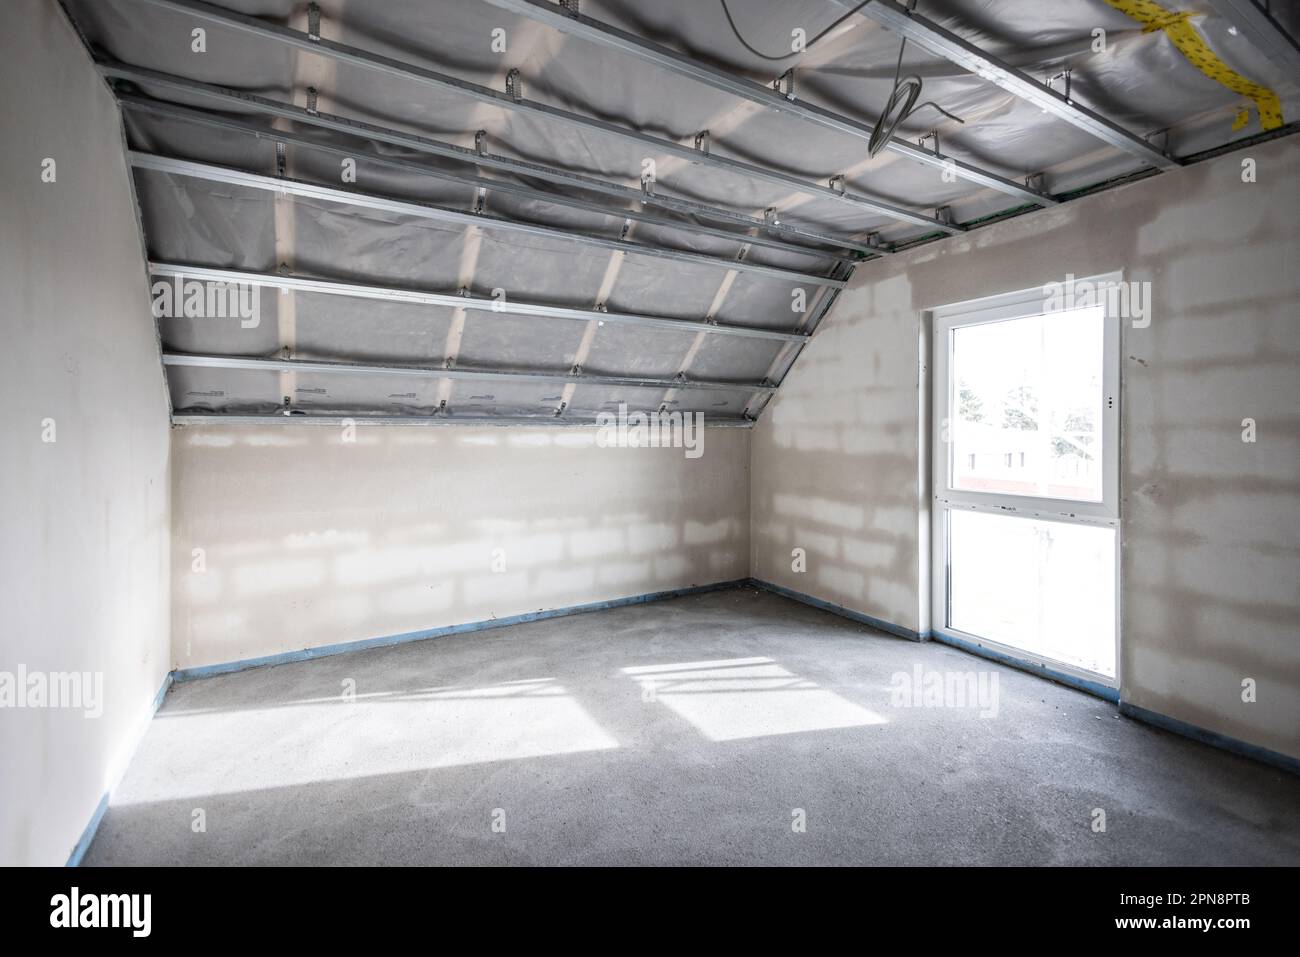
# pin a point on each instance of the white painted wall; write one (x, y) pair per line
(307, 540)
(84, 519)
(1211, 555)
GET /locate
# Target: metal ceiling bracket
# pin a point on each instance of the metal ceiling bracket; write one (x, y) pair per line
(313, 22)
(784, 84)
(771, 217)
(943, 214)
(1163, 134)
(480, 201)
(702, 141)
(1064, 74)
(480, 142)
(281, 158)
(570, 7)
(837, 183)
(311, 100)
(515, 85)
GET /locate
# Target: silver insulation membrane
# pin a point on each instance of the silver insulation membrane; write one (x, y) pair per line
(1141, 82)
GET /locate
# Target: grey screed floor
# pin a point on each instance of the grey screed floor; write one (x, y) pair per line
(678, 732)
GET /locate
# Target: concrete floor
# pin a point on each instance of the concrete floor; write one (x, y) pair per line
(689, 731)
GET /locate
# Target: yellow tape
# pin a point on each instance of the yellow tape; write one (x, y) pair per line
(1182, 34)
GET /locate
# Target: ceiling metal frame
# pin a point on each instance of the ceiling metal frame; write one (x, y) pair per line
(364, 200)
(145, 104)
(248, 102)
(594, 31)
(354, 56)
(930, 36)
(763, 232)
(1265, 33)
(455, 301)
(789, 354)
(208, 361)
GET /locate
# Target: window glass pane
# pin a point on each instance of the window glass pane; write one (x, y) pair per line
(1027, 399)
(1044, 587)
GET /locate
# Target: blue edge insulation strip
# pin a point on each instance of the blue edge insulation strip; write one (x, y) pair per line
(1274, 758)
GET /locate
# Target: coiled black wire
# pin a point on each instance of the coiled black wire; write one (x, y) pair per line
(901, 105)
(902, 99)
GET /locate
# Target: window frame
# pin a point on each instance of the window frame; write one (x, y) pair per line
(1022, 303)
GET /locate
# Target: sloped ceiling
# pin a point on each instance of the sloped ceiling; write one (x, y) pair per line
(458, 212)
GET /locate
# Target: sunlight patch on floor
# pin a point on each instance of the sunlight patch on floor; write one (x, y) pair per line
(222, 752)
(737, 698)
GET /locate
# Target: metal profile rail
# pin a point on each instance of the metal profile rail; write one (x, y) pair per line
(453, 301)
(594, 31)
(363, 200)
(789, 354)
(369, 418)
(1263, 31)
(253, 363)
(930, 36)
(408, 71)
(840, 247)
(245, 102)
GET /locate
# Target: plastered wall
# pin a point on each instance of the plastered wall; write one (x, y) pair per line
(1211, 533)
(84, 485)
(288, 537)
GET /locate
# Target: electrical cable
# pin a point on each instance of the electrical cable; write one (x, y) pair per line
(902, 99)
(807, 46)
(907, 90)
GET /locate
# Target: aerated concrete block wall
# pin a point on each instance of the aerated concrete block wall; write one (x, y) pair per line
(287, 538)
(84, 487)
(1211, 523)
